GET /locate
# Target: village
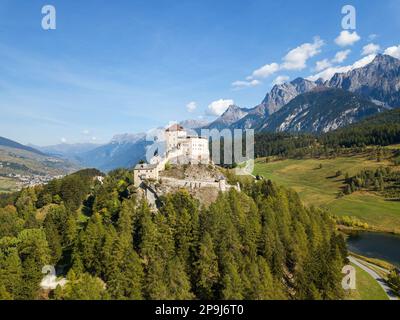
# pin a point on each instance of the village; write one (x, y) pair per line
(24, 180)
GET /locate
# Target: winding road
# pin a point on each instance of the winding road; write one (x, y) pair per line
(376, 276)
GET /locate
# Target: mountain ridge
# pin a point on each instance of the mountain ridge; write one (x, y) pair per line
(16, 145)
(378, 81)
(320, 110)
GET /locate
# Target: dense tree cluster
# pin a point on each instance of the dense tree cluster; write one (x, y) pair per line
(380, 130)
(383, 180)
(261, 243)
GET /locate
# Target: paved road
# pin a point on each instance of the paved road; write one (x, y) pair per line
(376, 276)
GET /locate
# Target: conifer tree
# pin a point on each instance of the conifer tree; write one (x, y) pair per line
(207, 269)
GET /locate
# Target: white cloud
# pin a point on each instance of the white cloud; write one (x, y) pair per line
(297, 58)
(393, 51)
(327, 65)
(218, 107)
(341, 56)
(265, 71)
(85, 132)
(327, 74)
(191, 106)
(280, 80)
(245, 84)
(94, 138)
(370, 49)
(63, 140)
(322, 65)
(347, 38)
(363, 62)
(330, 72)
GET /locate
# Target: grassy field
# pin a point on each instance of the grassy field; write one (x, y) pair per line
(315, 182)
(367, 287)
(7, 185)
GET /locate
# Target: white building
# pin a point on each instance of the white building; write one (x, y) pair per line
(184, 149)
(180, 149)
(144, 171)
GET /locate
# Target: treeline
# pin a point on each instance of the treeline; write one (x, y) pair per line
(383, 180)
(382, 129)
(258, 244)
(283, 144)
(379, 130)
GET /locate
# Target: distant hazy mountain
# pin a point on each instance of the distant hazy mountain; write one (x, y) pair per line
(378, 81)
(18, 159)
(67, 151)
(123, 151)
(193, 124)
(320, 111)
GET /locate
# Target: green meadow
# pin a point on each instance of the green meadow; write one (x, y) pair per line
(366, 287)
(317, 185)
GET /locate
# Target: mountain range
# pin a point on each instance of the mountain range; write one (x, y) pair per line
(321, 110)
(372, 89)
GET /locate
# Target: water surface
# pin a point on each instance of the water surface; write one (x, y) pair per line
(383, 246)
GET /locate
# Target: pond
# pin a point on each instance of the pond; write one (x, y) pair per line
(383, 246)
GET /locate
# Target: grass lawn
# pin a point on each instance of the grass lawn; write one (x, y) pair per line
(318, 186)
(367, 287)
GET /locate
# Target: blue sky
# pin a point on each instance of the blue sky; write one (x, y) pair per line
(127, 66)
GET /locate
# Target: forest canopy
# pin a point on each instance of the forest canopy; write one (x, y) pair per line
(261, 243)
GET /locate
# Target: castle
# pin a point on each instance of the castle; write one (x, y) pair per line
(180, 148)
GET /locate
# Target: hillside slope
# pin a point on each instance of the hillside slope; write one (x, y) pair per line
(321, 110)
(4, 142)
(21, 166)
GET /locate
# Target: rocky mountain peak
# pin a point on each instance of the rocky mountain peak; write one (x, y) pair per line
(284, 93)
(233, 113)
(379, 81)
(384, 59)
(230, 116)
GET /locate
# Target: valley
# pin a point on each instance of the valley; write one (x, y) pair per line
(22, 167)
